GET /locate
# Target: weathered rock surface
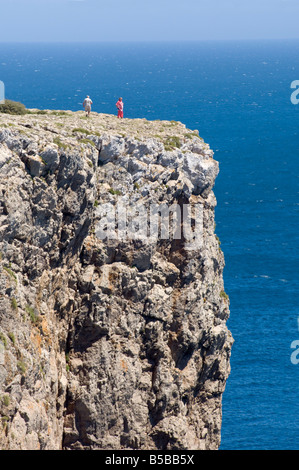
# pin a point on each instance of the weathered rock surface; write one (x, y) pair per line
(107, 343)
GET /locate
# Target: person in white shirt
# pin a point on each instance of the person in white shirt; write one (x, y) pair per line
(87, 105)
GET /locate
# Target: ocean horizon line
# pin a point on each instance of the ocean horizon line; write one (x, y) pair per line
(157, 41)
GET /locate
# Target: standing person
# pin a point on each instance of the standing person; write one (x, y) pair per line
(120, 107)
(87, 105)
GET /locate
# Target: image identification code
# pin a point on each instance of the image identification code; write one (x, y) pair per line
(159, 459)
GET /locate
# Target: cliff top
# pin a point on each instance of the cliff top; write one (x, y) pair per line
(153, 145)
(68, 125)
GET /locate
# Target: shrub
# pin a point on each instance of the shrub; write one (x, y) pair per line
(12, 338)
(3, 340)
(6, 400)
(21, 366)
(115, 192)
(87, 141)
(10, 272)
(81, 130)
(60, 144)
(31, 313)
(14, 304)
(59, 113)
(172, 142)
(38, 111)
(191, 135)
(13, 107)
(224, 295)
(4, 421)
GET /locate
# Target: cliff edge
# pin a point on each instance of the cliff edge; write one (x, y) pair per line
(112, 306)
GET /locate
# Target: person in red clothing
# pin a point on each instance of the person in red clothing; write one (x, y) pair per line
(120, 107)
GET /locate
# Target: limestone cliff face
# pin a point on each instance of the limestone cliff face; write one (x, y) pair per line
(116, 343)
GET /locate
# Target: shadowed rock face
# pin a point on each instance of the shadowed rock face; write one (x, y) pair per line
(107, 343)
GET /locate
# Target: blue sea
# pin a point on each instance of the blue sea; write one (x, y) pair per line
(237, 94)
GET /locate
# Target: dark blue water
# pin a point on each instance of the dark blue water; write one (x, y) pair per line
(238, 96)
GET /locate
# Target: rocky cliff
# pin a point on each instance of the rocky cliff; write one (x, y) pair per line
(108, 339)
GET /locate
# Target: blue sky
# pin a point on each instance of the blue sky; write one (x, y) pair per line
(147, 20)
